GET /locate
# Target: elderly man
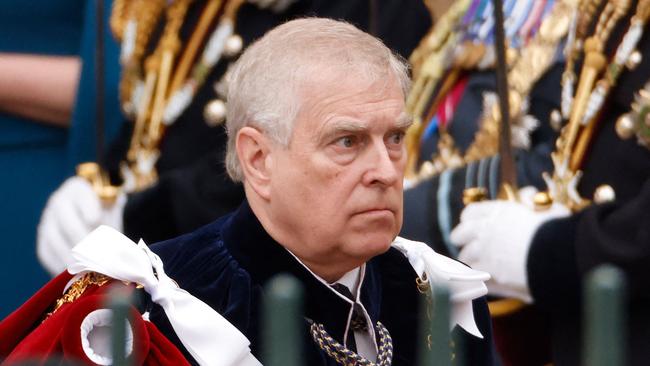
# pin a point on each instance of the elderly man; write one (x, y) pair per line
(315, 127)
(315, 132)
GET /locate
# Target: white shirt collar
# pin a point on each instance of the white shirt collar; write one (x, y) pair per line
(352, 279)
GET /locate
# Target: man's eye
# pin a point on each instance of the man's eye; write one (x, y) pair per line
(397, 138)
(346, 141)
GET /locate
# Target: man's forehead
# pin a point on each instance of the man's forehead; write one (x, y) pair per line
(320, 78)
(351, 103)
(350, 96)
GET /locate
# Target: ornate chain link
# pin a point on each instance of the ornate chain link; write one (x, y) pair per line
(346, 357)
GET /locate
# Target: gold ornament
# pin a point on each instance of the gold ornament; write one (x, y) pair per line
(118, 17)
(604, 193)
(143, 15)
(625, 126)
(637, 121)
(99, 181)
(542, 201)
(214, 112)
(556, 120)
(634, 60)
(234, 45)
(78, 288)
(474, 194)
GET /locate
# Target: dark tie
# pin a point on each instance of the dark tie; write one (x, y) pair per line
(358, 319)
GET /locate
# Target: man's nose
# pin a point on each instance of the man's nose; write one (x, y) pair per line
(382, 169)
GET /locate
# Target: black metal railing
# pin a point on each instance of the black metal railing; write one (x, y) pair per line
(604, 320)
(604, 325)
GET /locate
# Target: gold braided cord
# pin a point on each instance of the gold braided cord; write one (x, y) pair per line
(430, 61)
(583, 18)
(437, 35)
(189, 54)
(145, 14)
(574, 138)
(168, 47)
(166, 73)
(151, 67)
(594, 64)
(586, 12)
(118, 18)
(231, 9)
(147, 130)
(175, 15)
(604, 86)
(200, 70)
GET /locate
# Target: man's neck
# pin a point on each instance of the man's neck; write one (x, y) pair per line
(329, 273)
(330, 270)
(350, 279)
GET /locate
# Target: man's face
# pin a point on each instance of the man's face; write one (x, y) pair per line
(337, 188)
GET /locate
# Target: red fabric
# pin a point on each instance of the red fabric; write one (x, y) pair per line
(18, 324)
(25, 336)
(516, 344)
(448, 106)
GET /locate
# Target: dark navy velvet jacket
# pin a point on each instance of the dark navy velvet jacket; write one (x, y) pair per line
(227, 263)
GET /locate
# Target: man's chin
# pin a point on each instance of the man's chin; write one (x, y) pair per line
(373, 244)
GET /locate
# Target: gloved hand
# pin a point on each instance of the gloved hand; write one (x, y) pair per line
(495, 237)
(71, 213)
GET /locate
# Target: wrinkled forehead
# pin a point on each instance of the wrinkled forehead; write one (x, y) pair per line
(353, 73)
(344, 82)
(336, 96)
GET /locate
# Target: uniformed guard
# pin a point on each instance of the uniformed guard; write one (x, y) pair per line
(595, 207)
(456, 149)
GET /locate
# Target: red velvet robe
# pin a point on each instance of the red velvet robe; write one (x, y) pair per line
(25, 335)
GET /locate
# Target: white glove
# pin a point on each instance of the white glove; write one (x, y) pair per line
(71, 213)
(526, 195)
(495, 237)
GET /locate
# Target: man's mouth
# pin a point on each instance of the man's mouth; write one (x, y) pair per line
(376, 211)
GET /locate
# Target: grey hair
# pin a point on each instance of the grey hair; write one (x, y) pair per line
(263, 84)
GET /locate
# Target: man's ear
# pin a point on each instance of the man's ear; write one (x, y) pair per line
(254, 152)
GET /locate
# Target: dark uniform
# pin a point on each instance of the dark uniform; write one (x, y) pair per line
(430, 210)
(226, 264)
(563, 251)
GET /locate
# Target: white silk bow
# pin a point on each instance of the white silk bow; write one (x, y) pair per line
(207, 335)
(465, 284)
